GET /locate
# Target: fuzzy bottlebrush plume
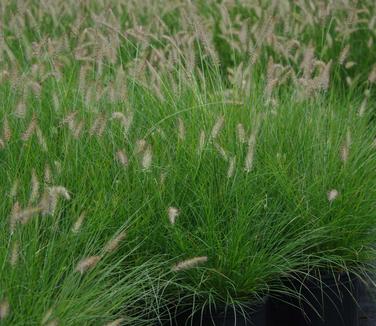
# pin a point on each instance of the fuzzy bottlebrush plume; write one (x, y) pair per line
(240, 132)
(147, 158)
(87, 263)
(181, 129)
(14, 216)
(98, 125)
(25, 215)
(122, 158)
(114, 243)
(162, 178)
(189, 263)
(78, 129)
(47, 174)
(221, 151)
(58, 167)
(345, 148)
(34, 195)
(77, 225)
(248, 165)
(70, 120)
(343, 55)
(14, 254)
(53, 323)
(324, 77)
(141, 145)
(50, 198)
(372, 75)
(116, 322)
(4, 309)
(30, 129)
(201, 142)
(41, 140)
(47, 316)
(307, 63)
(350, 64)
(126, 121)
(7, 132)
(217, 127)
(14, 189)
(20, 111)
(362, 108)
(231, 167)
(2, 144)
(172, 213)
(332, 195)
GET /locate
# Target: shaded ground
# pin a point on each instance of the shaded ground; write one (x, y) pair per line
(367, 315)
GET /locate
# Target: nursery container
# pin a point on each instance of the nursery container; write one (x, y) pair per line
(330, 301)
(252, 315)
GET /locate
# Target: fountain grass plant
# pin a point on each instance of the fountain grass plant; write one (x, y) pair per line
(228, 197)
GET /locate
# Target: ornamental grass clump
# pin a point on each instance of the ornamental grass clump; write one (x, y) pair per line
(181, 154)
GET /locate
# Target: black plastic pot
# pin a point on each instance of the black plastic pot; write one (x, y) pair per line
(221, 316)
(332, 301)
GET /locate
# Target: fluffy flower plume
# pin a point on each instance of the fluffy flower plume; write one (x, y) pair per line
(4, 309)
(181, 129)
(87, 263)
(248, 165)
(217, 127)
(147, 158)
(77, 225)
(98, 126)
(201, 143)
(172, 213)
(34, 195)
(116, 322)
(231, 167)
(221, 151)
(126, 121)
(15, 253)
(7, 132)
(50, 199)
(240, 132)
(345, 148)
(189, 263)
(30, 129)
(114, 243)
(122, 157)
(141, 145)
(332, 195)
